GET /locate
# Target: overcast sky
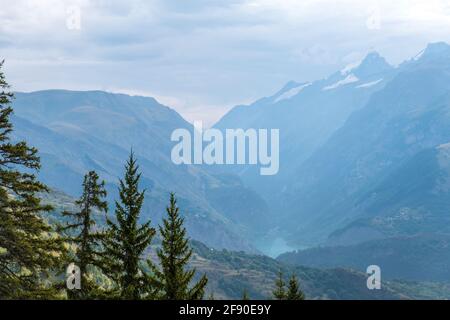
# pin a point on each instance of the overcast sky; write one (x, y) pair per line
(203, 57)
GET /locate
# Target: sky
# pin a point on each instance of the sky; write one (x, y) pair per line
(204, 57)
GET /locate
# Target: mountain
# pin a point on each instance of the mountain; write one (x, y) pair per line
(408, 115)
(362, 152)
(307, 114)
(362, 155)
(424, 257)
(93, 130)
(413, 199)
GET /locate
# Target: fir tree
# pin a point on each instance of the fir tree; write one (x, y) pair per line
(174, 280)
(293, 291)
(29, 247)
(280, 290)
(126, 239)
(81, 232)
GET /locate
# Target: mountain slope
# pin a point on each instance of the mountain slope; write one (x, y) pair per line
(80, 131)
(307, 114)
(423, 257)
(230, 273)
(413, 199)
(410, 114)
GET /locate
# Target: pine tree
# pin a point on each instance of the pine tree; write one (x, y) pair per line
(81, 232)
(294, 292)
(126, 239)
(173, 280)
(280, 291)
(29, 247)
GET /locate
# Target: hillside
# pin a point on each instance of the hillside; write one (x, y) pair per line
(407, 116)
(79, 131)
(229, 273)
(423, 257)
(412, 199)
(232, 272)
(307, 114)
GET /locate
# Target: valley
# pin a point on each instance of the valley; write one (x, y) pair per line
(363, 175)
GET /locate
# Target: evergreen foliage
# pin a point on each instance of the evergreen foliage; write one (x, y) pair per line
(293, 291)
(126, 239)
(29, 247)
(82, 232)
(174, 280)
(280, 288)
(245, 295)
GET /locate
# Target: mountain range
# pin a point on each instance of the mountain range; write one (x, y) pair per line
(307, 114)
(364, 163)
(363, 153)
(80, 131)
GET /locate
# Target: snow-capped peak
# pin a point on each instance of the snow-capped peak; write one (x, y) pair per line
(372, 64)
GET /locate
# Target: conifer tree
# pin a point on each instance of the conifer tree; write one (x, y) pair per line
(29, 247)
(245, 295)
(174, 280)
(293, 291)
(280, 290)
(126, 239)
(82, 233)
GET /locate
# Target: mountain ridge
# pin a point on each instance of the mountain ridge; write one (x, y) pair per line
(338, 144)
(77, 131)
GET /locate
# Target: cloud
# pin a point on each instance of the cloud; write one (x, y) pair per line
(210, 55)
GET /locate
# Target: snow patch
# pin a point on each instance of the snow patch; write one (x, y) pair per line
(444, 146)
(350, 67)
(291, 92)
(420, 54)
(349, 79)
(369, 84)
